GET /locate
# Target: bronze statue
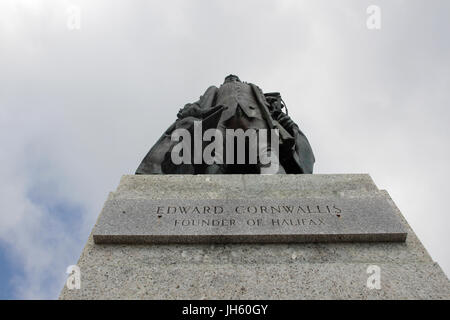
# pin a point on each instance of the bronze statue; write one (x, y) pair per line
(235, 105)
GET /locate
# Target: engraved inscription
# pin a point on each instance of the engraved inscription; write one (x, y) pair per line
(239, 220)
(274, 215)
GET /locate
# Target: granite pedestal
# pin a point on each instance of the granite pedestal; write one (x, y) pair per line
(131, 263)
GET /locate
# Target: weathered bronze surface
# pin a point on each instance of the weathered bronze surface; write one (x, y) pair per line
(234, 105)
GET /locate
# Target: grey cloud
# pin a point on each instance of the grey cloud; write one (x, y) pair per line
(80, 108)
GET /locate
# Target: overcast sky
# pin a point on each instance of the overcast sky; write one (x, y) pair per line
(81, 107)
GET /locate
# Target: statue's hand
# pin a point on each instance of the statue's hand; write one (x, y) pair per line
(190, 110)
(286, 122)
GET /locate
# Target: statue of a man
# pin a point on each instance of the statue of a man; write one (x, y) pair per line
(242, 106)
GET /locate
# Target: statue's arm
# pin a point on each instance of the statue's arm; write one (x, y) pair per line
(302, 151)
(195, 109)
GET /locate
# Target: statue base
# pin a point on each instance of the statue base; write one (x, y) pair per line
(388, 267)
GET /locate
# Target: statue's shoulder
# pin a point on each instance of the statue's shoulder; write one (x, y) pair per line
(210, 91)
(213, 87)
(256, 88)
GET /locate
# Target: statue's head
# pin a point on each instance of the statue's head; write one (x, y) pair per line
(231, 78)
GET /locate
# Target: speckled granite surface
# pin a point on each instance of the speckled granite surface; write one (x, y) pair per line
(255, 271)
